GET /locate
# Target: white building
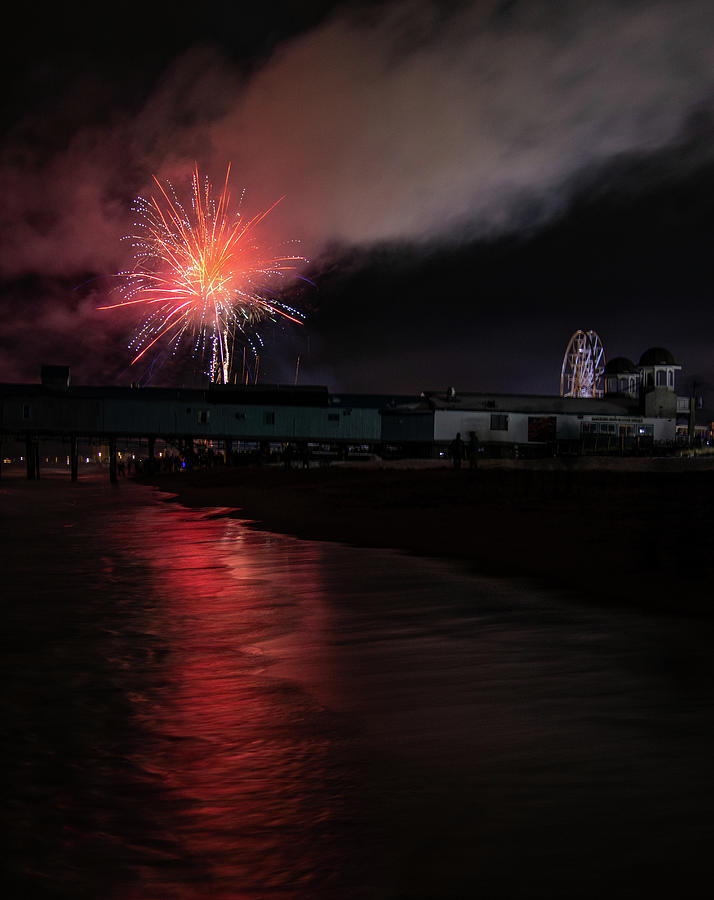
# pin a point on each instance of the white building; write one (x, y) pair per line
(640, 408)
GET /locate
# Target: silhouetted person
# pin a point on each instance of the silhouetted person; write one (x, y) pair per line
(288, 456)
(473, 450)
(457, 451)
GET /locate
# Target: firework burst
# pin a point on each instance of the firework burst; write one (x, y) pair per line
(201, 276)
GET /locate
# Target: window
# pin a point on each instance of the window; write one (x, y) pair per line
(499, 422)
(542, 429)
(333, 417)
(269, 418)
(632, 385)
(670, 378)
(26, 411)
(203, 416)
(661, 377)
(623, 385)
(240, 417)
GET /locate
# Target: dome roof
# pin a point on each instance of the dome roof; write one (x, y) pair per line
(618, 365)
(657, 356)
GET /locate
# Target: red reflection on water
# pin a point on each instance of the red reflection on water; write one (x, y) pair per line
(243, 757)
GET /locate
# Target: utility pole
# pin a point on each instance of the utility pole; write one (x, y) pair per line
(692, 413)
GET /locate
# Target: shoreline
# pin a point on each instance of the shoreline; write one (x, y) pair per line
(613, 535)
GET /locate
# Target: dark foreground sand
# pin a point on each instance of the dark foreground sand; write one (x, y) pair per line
(626, 533)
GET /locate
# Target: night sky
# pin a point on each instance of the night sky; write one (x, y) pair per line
(471, 182)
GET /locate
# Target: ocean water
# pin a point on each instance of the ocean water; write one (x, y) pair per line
(197, 709)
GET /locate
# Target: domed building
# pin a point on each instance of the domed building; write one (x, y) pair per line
(657, 373)
(652, 380)
(657, 366)
(622, 377)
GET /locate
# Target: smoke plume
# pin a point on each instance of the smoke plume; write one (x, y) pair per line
(388, 124)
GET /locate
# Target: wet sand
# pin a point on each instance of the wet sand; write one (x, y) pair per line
(625, 533)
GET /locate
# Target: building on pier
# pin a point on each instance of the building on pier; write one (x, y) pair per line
(640, 410)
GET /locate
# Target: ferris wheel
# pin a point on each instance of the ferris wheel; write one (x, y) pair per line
(583, 366)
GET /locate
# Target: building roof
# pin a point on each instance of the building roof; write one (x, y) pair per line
(239, 395)
(528, 403)
(371, 401)
(657, 356)
(619, 365)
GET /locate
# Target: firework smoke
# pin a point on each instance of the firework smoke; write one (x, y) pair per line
(404, 124)
(396, 122)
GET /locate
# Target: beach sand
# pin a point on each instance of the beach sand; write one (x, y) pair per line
(633, 533)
